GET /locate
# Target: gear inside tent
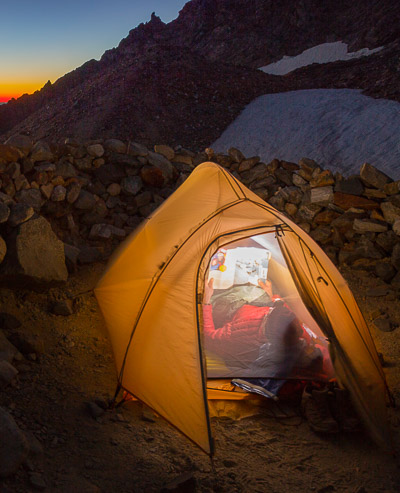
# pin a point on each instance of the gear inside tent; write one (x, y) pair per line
(218, 286)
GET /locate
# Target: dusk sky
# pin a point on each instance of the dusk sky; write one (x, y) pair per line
(44, 39)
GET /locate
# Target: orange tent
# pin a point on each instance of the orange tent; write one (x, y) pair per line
(151, 294)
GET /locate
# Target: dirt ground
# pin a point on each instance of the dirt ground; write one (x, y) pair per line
(132, 450)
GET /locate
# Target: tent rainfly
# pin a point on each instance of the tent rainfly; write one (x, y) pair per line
(152, 290)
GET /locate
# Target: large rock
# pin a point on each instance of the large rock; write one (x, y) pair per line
(166, 151)
(372, 176)
(31, 197)
(95, 150)
(162, 163)
(9, 154)
(351, 185)
(321, 195)
(65, 169)
(131, 185)
(115, 145)
(19, 214)
(13, 445)
(390, 212)
(23, 142)
(86, 201)
(369, 226)
(35, 255)
(41, 152)
(346, 201)
(152, 176)
(135, 149)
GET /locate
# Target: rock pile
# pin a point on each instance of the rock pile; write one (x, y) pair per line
(81, 199)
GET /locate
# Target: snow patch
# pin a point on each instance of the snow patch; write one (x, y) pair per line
(324, 53)
(339, 128)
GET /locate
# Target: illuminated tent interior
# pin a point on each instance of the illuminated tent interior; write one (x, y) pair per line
(152, 292)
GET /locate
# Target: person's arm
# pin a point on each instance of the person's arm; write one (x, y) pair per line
(267, 287)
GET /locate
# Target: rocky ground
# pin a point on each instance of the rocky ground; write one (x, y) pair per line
(76, 202)
(66, 376)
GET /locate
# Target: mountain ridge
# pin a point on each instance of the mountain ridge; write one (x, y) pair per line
(136, 90)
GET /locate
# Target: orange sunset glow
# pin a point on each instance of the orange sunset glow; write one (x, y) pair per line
(10, 89)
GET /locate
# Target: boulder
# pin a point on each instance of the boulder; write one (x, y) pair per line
(351, 185)
(284, 176)
(13, 445)
(292, 194)
(35, 255)
(95, 150)
(166, 151)
(41, 152)
(20, 213)
(152, 176)
(143, 198)
(135, 149)
(23, 142)
(115, 145)
(307, 212)
(396, 226)
(63, 307)
(45, 168)
(308, 165)
(131, 185)
(387, 240)
(236, 155)
(85, 201)
(321, 195)
(6, 199)
(374, 193)
(323, 179)
(106, 231)
(373, 177)
(58, 194)
(392, 188)
(182, 161)
(247, 164)
(73, 192)
(385, 271)
(298, 181)
(31, 197)
(162, 163)
(47, 190)
(9, 154)
(369, 226)
(390, 212)
(84, 163)
(71, 256)
(65, 169)
(346, 201)
(114, 189)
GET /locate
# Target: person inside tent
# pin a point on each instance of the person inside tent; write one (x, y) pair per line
(268, 339)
